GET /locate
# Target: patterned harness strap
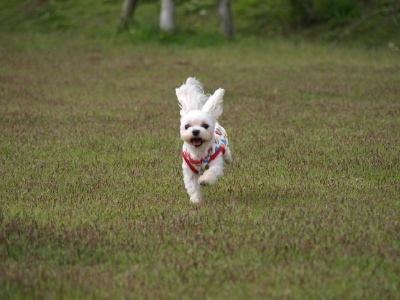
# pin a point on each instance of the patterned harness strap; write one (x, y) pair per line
(201, 165)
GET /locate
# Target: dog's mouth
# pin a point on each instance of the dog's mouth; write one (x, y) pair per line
(197, 142)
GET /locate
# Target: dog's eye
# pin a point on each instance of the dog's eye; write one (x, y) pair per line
(187, 126)
(205, 126)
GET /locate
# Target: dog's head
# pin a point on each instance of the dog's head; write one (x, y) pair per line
(198, 125)
(197, 129)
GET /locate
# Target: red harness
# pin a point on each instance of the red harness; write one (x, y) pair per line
(201, 165)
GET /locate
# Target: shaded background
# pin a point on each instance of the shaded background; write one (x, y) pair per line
(369, 23)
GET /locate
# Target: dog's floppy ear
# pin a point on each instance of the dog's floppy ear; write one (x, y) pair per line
(213, 105)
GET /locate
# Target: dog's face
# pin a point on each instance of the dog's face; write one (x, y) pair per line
(197, 129)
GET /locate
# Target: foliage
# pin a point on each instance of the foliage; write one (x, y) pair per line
(277, 17)
(198, 19)
(338, 11)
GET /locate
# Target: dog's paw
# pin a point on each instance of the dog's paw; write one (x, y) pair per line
(195, 200)
(208, 178)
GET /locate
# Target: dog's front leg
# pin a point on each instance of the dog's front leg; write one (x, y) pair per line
(191, 183)
(215, 171)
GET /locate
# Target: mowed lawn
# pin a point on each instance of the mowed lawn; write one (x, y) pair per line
(92, 201)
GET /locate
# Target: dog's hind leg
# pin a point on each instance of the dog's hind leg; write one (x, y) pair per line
(227, 156)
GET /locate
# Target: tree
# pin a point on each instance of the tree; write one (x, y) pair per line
(226, 23)
(167, 16)
(307, 4)
(128, 8)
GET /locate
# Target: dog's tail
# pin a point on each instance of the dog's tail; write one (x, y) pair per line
(191, 95)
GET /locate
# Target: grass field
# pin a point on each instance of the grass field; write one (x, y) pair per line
(91, 192)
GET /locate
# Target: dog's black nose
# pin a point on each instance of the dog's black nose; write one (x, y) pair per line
(196, 132)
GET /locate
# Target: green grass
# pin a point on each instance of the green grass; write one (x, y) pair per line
(91, 190)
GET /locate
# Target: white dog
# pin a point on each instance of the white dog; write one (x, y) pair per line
(205, 147)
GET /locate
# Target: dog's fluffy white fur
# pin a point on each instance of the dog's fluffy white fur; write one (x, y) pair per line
(199, 115)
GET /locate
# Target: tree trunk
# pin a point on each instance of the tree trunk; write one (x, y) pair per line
(226, 25)
(167, 16)
(128, 8)
(309, 11)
